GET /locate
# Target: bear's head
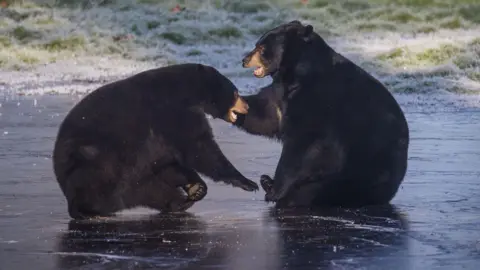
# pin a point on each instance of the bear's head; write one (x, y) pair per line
(239, 107)
(279, 47)
(222, 98)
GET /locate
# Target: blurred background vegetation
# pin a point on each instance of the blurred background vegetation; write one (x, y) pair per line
(36, 32)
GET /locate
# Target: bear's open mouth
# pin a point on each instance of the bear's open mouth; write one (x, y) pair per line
(239, 107)
(233, 116)
(259, 72)
(254, 60)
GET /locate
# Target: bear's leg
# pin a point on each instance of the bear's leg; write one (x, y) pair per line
(196, 187)
(302, 161)
(287, 173)
(175, 201)
(88, 195)
(163, 191)
(178, 176)
(206, 157)
(382, 181)
(155, 193)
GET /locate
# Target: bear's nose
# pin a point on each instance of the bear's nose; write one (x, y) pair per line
(245, 61)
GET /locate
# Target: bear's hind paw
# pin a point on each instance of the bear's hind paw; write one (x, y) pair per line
(196, 191)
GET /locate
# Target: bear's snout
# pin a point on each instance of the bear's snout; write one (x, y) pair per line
(246, 60)
(240, 106)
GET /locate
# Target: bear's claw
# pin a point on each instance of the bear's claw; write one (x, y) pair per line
(246, 184)
(267, 184)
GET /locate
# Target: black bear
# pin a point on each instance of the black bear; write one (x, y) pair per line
(137, 141)
(345, 138)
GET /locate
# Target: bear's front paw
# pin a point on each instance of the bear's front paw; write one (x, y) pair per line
(267, 183)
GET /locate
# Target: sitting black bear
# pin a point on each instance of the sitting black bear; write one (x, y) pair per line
(345, 138)
(134, 142)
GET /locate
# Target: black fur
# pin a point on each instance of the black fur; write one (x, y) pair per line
(345, 138)
(137, 141)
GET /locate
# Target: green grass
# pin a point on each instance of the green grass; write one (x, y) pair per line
(226, 32)
(430, 57)
(176, 38)
(173, 19)
(318, 3)
(474, 42)
(438, 15)
(3, 23)
(126, 7)
(438, 55)
(83, 3)
(466, 62)
(403, 17)
(29, 5)
(454, 23)
(414, 3)
(395, 53)
(112, 49)
(3, 61)
(65, 44)
(134, 28)
(15, 15)
(27, 59)
(25, 26)
(471, 13)
(5, 42)
(475, 76)
(355, 5)
(152, 24)
(464, 91)
(375, 26)
(426, 29)
(194, 53)
(148, 1)
(260, 18)
(45, 21)
(408, 3)
(381, 12)
(247, 6)
(22, 34)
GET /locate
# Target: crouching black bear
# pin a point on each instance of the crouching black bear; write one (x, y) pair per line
(138, 141)
(345, 138)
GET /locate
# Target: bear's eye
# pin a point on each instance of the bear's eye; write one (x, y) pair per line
(262, 50)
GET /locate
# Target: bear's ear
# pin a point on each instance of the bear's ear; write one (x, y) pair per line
(307, 33)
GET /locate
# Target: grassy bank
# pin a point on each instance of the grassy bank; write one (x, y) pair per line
(392, 38)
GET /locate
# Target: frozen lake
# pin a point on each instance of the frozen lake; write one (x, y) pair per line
(434, 221)
(426, 52)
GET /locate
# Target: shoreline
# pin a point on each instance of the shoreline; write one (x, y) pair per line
(80, 76)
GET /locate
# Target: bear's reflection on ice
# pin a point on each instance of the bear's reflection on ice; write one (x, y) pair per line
(373, 237)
